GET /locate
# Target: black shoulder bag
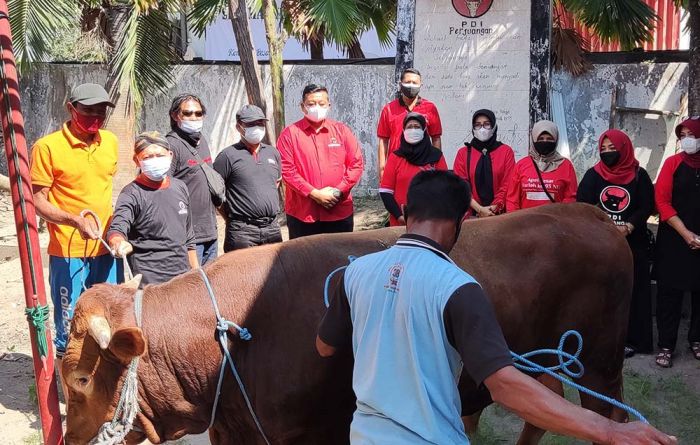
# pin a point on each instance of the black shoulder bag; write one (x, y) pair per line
(217, 185)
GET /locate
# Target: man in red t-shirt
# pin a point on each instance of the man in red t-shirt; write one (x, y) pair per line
(390, 125)
(321, 163)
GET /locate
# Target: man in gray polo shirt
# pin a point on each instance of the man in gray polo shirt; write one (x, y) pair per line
(252, 171)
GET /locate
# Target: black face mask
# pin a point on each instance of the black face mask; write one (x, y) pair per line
(610, 158)
(545, 147)
(410, 92)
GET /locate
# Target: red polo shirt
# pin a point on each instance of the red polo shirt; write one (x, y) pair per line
(391, 120)
(329, 157)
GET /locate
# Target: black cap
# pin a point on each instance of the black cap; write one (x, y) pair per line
(250, 113)
(90, 94)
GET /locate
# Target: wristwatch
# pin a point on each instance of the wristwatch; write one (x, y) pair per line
(630, 228)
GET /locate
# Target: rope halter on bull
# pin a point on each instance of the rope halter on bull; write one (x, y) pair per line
(523, 362)
(115, 432)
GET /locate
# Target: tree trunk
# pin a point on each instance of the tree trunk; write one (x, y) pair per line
(316, 46)
(238, 11)
(694, 64)
(355, 50)
(275, 43)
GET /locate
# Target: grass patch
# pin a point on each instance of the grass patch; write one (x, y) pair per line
(33, 439)
(32, 394)
(668, 403)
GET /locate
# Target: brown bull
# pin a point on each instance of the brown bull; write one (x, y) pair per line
(547, 270)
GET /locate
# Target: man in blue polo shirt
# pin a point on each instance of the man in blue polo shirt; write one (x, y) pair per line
(413, 319)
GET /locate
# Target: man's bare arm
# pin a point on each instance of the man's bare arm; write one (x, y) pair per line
(86, 226)
(539, 406)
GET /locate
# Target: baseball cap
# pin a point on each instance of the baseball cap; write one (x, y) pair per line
(250, 113)
(90, 94)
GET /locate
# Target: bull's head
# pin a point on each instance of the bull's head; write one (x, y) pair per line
(612, 200)
(103, 341)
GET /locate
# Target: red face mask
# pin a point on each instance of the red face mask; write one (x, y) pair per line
(87, 124)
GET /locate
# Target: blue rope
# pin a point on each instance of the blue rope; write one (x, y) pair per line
(527, 365)
(326, 300)
(222, 327)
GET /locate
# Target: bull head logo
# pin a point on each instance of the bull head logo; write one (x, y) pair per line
(473, 6)
(613, 201)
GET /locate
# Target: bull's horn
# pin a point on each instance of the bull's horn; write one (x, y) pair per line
(134, 282)
(99, 330)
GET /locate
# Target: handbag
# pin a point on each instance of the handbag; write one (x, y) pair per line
(217, 185)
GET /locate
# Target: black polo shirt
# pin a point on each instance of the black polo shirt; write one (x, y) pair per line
(251, 180)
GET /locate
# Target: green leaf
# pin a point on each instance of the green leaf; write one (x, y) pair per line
(37, 23)
(630, 22)
(203, 13)
(141, 62)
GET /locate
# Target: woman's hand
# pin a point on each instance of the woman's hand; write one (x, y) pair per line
(484, 212)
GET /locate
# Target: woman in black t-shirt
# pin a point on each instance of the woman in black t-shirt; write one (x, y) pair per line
(622, 189)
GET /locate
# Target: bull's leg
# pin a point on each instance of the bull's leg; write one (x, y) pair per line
(471, 423)
(531, 435)
(611, 387)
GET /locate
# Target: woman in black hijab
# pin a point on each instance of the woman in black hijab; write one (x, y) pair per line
(415, 154)
(487, 164)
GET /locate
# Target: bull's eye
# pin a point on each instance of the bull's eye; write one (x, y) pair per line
(82, 381)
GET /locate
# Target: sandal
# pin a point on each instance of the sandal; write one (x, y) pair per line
(695, 348)
(663, 358)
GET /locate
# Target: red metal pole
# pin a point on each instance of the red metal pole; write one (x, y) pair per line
(27, 234)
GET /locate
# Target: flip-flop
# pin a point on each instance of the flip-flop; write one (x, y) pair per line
(695, 348)
(663, 358)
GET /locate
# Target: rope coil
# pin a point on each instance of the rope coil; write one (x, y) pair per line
(38, 316)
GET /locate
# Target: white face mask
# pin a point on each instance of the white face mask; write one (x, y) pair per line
(190, 127)
(156, 169)
(690, 145)
(254, 135)
(316, 113)
(413, 135)
(483, 134)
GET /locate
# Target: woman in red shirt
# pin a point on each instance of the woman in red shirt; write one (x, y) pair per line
(415, 154)
(543, 177)
(486, 164)
(677, 263)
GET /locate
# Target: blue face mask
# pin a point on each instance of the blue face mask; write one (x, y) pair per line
(156, 169)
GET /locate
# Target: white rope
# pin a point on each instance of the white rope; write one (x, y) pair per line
(115, 432)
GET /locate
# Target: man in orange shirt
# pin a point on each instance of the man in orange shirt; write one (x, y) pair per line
(72, 171)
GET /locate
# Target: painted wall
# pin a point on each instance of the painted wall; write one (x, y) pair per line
(358, 93)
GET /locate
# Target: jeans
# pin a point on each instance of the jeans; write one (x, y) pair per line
(207, 251)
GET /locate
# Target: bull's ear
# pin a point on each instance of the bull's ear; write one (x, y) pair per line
(127, 343)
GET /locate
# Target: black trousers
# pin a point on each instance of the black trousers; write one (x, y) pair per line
(298, 228)
(640, 328)
(668, 316)
(240, 235)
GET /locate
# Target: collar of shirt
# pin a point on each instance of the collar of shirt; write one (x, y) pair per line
(307, 127)
(423, 242)
(403, 104)
(144, 181)
(77, 143)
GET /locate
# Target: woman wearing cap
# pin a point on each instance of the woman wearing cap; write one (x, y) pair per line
(543, 177)
(486, 164)
(415, 154)
(678, 244)
(623, 190)
(152, 216)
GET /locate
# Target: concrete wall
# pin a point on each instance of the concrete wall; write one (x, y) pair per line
(359, 91)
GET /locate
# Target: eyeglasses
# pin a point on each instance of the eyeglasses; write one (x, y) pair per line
(485, 125)
(189, 113)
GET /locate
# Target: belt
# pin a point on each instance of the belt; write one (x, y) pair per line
(259, 222)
